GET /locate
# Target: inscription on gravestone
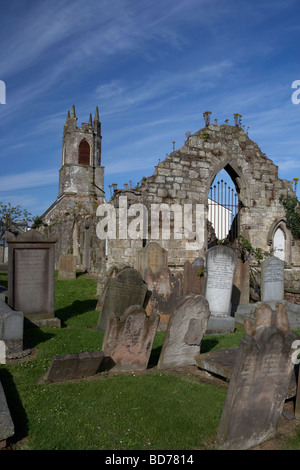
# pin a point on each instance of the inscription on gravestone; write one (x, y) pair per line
(185, 331)
(124, 290)
(128, 339)
(257, 389)
(31, 277)
(220, 267)
(272, 279)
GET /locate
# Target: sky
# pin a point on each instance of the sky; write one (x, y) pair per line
(153, 68)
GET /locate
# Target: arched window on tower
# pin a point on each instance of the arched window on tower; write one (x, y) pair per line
(84, 153)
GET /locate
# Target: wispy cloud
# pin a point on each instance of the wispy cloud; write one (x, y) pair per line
(29, 179)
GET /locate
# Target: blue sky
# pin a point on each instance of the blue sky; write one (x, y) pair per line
(152, 68)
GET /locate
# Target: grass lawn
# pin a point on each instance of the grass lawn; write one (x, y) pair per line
(152, 411)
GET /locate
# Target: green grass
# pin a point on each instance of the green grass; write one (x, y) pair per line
(153, 411)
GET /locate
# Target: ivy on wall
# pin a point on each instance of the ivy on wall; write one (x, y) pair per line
(292, 212)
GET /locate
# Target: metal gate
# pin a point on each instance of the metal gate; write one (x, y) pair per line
(223, 213)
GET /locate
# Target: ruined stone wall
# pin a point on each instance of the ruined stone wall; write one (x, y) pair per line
(72, 221)
(185, 176)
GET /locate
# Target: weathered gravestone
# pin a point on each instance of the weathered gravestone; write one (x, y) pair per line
(7, 428)
(272, 279)
(166, 290)
(259, 383)
(11, 331)
(126, 289)
(104, 280)
(74, 366)
(128, 339)
(151, 256)
(67, 267)
(193, 277)
(2, 352)
(186, 328)
(31, 277)
(220, 267)
(241, 285)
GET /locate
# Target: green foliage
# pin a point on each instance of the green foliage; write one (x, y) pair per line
(37, 221)
(291, 206)
(205, 136)
(10, 215)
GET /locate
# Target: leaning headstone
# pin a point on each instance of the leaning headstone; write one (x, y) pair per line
(272, 279)
(193, 277)
(152, 256)
(11, 331)
(7, 428)
(185, 331)
(128, 338)
(74, 366)
(166, 290)
(67, 267)
(126, 289)
(31, 277)
(220, 267)
(259, 384)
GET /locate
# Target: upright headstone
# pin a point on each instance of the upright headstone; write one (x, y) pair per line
(193, 277)
(31, 277)
(220, 267)
(152, 256)
(67, 267)
(166, 290)
(272, 279)
(128, 338)
(259, 383)
(241, 285)
(2, 352)
(186, 328)
(126, 289)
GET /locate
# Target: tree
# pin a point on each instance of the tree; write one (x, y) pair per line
(10, 216)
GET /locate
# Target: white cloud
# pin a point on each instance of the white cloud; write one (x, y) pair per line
(29, 179)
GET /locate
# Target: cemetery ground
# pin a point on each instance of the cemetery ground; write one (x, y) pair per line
(171, 409)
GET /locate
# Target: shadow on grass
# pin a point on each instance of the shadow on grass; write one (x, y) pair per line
(15, 407)
(78, 307)
(34, 336)
(207, 344)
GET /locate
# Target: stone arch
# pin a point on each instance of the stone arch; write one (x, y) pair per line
(84, 153)
(225, 220)
(237, 177)
(280, 240)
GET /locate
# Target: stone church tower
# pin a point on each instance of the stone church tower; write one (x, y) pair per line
(81, 173)
(81, 180)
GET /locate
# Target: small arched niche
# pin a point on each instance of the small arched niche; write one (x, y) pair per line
(279, 238)
(84, 153)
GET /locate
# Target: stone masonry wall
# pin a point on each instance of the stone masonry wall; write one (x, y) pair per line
(186, 175)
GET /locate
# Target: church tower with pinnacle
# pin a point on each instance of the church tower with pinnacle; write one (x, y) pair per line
(81, 173)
